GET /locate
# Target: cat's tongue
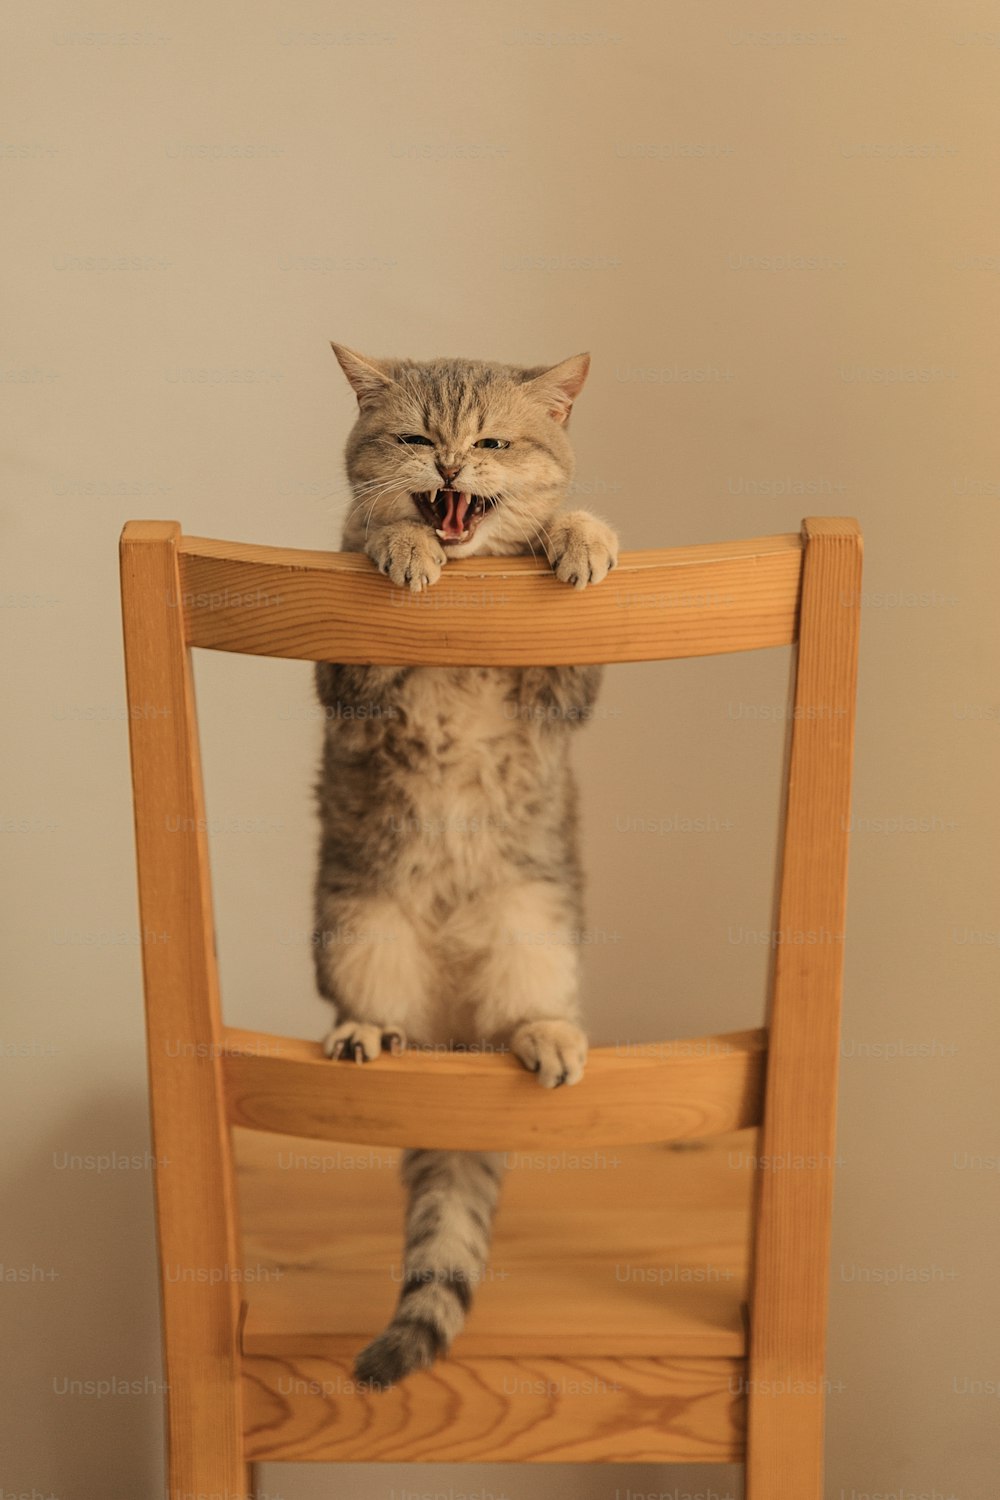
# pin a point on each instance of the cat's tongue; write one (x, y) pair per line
(456, 504)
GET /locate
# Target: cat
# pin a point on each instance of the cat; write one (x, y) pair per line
(449, 892)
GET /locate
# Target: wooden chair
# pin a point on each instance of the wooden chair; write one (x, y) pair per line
(563, 1358)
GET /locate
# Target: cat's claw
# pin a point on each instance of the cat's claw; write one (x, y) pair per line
(555, 1050)
(359, 1041)
(408, 553)
(581, 549)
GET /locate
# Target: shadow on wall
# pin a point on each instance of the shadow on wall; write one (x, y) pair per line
(85, 1389)
(501, 1481)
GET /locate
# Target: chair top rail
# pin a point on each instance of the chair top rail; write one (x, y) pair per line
(630, 1094)
(334, 606)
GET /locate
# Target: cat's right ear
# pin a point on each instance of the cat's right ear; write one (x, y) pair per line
(368, 378)
(559, 386)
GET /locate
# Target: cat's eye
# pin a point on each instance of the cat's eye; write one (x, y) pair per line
(415, 440)
(493, 443)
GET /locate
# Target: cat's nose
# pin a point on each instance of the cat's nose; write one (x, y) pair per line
(448, 474)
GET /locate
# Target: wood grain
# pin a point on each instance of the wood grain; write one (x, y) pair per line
(499, 1410)
(640, 1250)
(794, 1192)
(195, 1201)
(675, 1090)
(675, 602)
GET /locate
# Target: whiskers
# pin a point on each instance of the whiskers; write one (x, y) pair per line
(526, 528)
(512, 525)
(398, 480)
(367, 495)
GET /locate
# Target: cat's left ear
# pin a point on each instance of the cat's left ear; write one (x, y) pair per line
(368, 377)
(560, 386)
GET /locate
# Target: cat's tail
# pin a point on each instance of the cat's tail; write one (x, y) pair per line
(451, 1199)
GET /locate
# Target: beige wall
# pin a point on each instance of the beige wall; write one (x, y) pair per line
(224, 188)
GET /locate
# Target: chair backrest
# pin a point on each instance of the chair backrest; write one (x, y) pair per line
(179, 592)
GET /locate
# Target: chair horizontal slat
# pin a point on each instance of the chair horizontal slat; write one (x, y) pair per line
(319, 606)
(491, 1410)
(656, 1091)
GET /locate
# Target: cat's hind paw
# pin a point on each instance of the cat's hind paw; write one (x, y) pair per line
(359, 1041)
(555, 1050)
(581, 549)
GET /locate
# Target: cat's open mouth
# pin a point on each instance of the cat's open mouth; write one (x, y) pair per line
(454, 514)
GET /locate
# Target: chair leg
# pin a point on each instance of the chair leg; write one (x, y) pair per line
(205, 1448)
(785, 1440)
(193, 1477)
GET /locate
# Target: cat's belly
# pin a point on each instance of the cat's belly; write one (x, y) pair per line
(463, 837)
(472, 784)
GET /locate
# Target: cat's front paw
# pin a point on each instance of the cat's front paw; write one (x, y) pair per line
(359, 1041)
(408, 552)
(581, 548)
(555, 1050)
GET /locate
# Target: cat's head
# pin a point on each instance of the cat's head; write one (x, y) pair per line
(477, 451)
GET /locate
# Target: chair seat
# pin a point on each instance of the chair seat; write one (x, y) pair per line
(638, 1251)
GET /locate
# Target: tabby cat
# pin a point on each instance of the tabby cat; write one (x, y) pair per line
(448, 899)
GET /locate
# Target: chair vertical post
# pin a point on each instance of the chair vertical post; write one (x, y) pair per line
(195, 1197)
(794, 1186)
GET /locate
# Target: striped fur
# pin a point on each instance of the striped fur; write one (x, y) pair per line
(451, 1199)
(449, 891)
